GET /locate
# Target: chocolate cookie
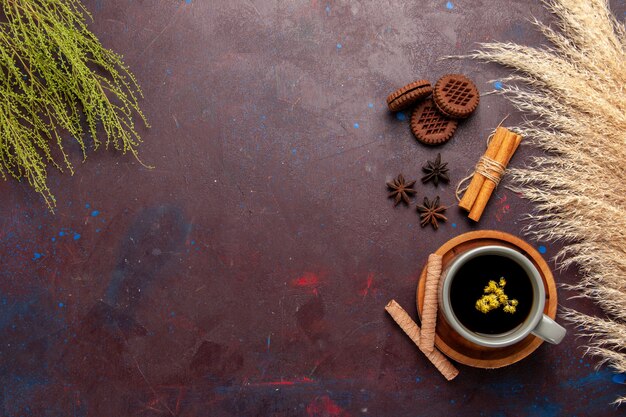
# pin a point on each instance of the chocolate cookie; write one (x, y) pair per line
(430, 126)
(408, 95)
(456, 96)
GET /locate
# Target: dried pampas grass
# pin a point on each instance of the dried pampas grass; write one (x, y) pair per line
(572, 93)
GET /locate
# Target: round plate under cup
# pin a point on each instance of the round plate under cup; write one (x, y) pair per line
(463, 351)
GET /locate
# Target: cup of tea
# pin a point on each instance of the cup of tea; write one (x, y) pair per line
(494, 321)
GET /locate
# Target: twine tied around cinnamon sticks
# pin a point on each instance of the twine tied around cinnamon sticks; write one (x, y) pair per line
(490, 169)
(488, 172)
(425, 338)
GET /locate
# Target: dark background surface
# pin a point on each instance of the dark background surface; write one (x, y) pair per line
(247, 273)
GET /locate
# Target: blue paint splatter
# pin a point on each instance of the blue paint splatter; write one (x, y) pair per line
(356, 125)
(542, 249)
(23, 383)
(401, 116)
(294, 151)
(193, 242)
(370, 105)
(418, 379)
(498, 85)
(544, 409)
(87, 205)
(61, 233)
(619, 378)
(37, 255)
(327, 9)
(95, 213)
(449, 5)
(453, 224)
(188, 1)
(76, 236)
(592, 379)
(269, 341)
(61, 305)
(339, 46)
(54, 239)
(97, 230)
(172, 313)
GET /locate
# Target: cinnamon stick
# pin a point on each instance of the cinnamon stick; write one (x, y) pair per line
(413, 331)
(469, 197)
(505, 153)
(429, 313)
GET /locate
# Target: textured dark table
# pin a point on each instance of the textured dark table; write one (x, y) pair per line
(246, 275)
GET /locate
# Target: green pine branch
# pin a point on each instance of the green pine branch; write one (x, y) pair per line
(57, 81)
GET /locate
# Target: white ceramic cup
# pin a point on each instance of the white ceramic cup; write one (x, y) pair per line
(536, 323)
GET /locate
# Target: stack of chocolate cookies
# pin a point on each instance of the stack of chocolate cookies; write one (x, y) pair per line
(439, 108)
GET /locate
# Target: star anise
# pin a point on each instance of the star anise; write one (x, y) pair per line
(436, 171)
(431, 213)
(400, 189)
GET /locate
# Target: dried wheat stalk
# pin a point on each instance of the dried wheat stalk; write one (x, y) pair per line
(573, 96)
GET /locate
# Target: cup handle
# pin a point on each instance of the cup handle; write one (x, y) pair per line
(549, 330)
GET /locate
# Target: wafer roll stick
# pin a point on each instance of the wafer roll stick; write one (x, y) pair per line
(478, 179)
(429, 313)
(412, 330)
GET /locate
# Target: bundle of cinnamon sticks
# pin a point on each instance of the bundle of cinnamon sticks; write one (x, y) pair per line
(489, 171)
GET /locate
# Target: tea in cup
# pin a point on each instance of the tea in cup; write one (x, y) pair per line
(494, 296)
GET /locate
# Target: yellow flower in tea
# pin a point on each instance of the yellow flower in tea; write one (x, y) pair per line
(495, 297)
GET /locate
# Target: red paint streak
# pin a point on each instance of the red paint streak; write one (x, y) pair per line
(503, 208)
(277, 383)
(308, 279)
(366, 290)
(325, 407)
(181, 395)
(304, 380)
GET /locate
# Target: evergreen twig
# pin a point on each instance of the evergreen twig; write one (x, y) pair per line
(58, 81)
